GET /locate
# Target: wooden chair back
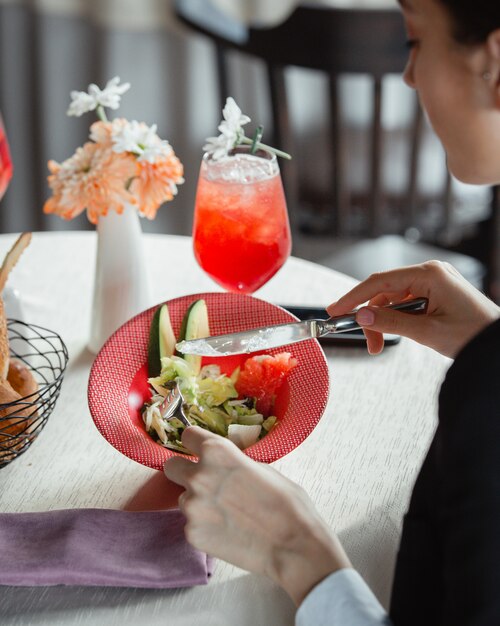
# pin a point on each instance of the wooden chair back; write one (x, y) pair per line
(337, 42)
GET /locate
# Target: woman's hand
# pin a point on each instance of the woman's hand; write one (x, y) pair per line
(248, 514)
(455, 313)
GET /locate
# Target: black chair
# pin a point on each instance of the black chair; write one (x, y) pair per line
(338, 42)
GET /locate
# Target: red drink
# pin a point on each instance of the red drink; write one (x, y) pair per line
(241, 231)
(5, 161)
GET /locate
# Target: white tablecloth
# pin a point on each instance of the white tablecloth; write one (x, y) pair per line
(358, 464)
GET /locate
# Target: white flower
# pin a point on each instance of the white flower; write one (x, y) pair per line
(110, 96)
(82, 103)
(140, 139)
(152, 152)
(234, 119)
(219, 146)
(231, 131)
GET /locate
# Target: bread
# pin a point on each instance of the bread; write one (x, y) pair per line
(16, 380)
(7, 395)
(21, 379)
(4, 344)
(10, 260)
(15, 425)
(12, 257)
(17, 421)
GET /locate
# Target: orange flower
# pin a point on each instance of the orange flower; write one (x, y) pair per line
(101, 132)
(156, 183)
(124, 162)
(92, 179)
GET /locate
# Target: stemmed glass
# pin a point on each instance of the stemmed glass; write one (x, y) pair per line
(5, 161)
(9, 296)
(241, 231)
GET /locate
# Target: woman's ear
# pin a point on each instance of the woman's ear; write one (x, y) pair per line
(493, 48)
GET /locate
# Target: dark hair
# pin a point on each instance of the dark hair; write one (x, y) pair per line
(473, 20)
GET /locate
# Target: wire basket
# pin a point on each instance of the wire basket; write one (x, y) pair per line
(45, 354)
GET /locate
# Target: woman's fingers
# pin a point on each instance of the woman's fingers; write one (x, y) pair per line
(374, 341)
(384, 320)
(365, 317)
(179, 470)
(194, 437)
(390, 283)
(213, 451)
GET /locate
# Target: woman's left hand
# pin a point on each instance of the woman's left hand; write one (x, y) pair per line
(250, 515)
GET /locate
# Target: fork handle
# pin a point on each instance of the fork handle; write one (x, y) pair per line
(183, 417)
(345, 323)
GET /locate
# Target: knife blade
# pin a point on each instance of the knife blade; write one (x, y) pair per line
(268, 337)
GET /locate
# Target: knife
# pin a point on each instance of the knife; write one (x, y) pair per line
(269, 337)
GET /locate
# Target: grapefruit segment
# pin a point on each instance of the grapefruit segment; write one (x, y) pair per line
(261, 376)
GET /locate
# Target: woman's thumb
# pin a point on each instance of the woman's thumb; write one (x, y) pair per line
(386, 320)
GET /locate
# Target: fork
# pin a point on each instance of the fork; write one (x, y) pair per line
(172, 400)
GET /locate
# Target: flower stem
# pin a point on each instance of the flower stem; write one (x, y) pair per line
(129, 182)
(258, 144)
(101, 114)
(256, 138)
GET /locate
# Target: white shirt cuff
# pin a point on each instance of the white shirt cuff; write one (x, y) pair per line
(341, 598)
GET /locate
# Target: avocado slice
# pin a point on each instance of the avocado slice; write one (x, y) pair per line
(194, 326)
(161, 340)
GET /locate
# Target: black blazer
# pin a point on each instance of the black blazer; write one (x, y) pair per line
(448, 565)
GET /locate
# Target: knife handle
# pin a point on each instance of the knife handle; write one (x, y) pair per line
(344, 323)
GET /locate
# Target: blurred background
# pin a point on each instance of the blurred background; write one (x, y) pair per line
(181, 69)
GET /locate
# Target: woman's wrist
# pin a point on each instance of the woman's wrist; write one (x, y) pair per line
(306, 558)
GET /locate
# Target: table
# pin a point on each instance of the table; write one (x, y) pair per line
(358, 465)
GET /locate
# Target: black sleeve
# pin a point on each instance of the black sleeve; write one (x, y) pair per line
(467, 460)
(448, 564)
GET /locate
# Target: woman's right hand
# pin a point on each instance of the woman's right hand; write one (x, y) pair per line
(456, 311)
(249, 514)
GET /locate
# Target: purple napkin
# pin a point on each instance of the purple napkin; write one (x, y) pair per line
(99, 547)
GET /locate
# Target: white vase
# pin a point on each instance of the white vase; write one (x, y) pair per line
(121, 287)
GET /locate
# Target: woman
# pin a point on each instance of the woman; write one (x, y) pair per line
(447, 567)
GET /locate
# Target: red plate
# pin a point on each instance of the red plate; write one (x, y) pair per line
(118, 379)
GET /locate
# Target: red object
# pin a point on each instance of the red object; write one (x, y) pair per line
(241, 233)
(262, 376)
(118, 379)
(6, 168)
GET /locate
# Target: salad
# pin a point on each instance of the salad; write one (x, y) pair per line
(238, 406)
